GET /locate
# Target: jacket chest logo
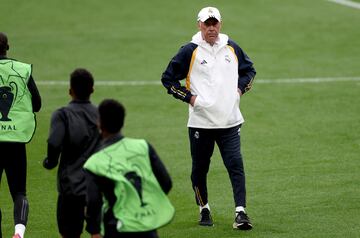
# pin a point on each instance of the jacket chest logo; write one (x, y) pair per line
(227, 58)
(203, 62)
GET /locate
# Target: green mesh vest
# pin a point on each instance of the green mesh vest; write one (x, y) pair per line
(17, 120)
(141, 204)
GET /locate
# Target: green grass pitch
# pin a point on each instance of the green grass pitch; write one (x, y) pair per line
(301, 140)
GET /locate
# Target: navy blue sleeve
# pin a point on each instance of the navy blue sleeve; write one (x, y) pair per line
(176, 71)
(246, 69)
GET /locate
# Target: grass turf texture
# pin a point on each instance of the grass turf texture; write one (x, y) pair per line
(300, 142)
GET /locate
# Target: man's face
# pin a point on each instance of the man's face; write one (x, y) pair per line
(210, 30)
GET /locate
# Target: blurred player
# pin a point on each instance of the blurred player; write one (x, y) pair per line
(73, 136)
(130, 178)
(19, 99)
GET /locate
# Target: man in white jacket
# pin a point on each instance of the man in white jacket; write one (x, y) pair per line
(217, 73)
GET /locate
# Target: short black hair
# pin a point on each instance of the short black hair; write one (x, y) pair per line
(4, 45)
(82, 83)
(112, 115)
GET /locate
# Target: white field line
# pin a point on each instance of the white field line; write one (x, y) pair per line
(256, 81)
(347, 3)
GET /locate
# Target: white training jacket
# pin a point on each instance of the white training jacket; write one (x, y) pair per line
(214, 74)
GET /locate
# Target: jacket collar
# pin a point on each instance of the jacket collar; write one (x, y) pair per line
(220, 42)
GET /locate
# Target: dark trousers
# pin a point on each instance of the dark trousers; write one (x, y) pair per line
(70, 215)
(202, 142)
(13, 161)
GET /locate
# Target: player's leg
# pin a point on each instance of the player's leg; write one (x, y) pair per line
(70, 215)
(228, 142)
(16, 176)
(201, 147)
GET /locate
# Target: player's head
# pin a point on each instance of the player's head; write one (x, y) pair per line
(209, 23)
(81, 84)
(112, 115)
(4, 45)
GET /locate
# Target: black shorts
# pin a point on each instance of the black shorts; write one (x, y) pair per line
(13, 161)
(71, 215)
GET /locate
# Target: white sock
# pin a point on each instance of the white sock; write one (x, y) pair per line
(20, 229)
(240, 209)
(205, 206)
